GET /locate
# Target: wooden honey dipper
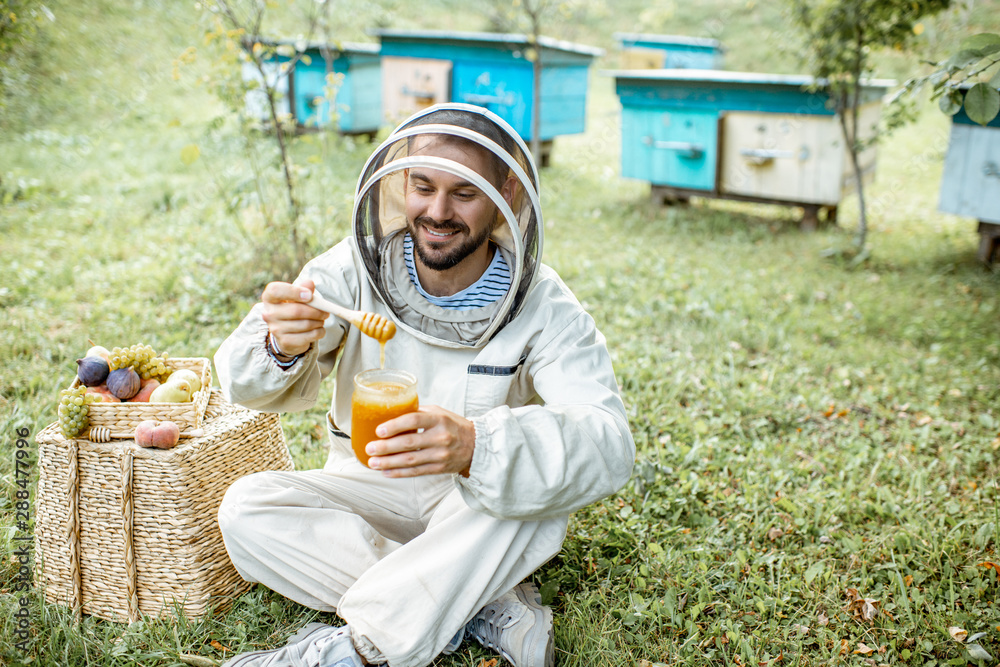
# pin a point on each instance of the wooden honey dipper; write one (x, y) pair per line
(370, 324)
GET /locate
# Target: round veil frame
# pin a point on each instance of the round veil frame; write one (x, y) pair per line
(460, 170)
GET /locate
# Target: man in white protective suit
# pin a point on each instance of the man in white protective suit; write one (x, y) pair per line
(520, 420)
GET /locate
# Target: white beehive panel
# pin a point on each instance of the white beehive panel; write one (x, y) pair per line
(970, 185)
(791, 157)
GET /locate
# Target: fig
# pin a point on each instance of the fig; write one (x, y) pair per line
(92, 371)
(124, 383)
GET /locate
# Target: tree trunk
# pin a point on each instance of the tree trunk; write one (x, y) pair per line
(293, 204)
(849, 101)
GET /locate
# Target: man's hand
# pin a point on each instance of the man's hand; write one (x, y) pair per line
(444, 444)
(294, 325)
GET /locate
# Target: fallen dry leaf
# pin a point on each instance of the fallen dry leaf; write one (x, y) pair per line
(863, 649)
(218, 646)
(958, 634)
(991, 564)
(862, 608)
(775, 534)
(823, 619)
(845, 646)
(483, 662)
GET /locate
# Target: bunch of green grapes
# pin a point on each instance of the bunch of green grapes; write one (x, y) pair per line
(74, 410)
(142, 359)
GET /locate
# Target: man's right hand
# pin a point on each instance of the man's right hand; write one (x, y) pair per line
(293, 324)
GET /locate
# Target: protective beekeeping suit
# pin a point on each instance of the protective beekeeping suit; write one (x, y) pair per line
(407, 561)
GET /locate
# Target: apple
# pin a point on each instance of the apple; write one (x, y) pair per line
(188, 375)
(172, 392)
(146, 389)
(152, 433)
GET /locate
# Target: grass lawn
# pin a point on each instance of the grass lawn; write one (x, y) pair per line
(818, 442)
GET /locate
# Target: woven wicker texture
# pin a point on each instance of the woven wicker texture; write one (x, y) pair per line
(123, 531)
(122, 418)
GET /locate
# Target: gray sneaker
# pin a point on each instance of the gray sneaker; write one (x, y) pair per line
(518, 626)
(315, 645)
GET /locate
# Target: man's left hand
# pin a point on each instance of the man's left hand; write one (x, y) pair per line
(430, 441)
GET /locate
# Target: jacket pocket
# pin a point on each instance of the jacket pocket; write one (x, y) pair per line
(490, 385)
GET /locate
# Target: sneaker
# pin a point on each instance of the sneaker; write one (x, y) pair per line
(315, 645)
(517, 626)
(455, 642)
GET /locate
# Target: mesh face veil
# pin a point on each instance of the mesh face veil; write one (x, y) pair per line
(380, 222)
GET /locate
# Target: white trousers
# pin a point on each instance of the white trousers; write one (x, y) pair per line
(405, 562)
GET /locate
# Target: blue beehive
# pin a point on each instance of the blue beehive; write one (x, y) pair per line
(754, 137)
(420, 68)
(358, 101)
(970, 184)
(644, 51)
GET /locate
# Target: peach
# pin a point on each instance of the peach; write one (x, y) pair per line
(146, 388)
(152, 433)
(102, 391)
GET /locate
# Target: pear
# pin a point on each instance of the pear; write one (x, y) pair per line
(98, 351)
(172, 392)
(187, 375)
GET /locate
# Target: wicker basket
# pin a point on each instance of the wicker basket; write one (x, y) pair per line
(122, 531)
(122, 418)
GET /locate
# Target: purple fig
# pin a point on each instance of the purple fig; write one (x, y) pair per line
(92, 371)
(124, 383)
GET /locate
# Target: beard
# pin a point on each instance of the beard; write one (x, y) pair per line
(429, 252)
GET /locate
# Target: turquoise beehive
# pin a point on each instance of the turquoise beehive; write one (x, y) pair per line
(754, 137)
(647, 51)
(301, 74)
(492, 70)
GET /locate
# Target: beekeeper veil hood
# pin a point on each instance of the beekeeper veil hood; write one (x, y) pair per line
(380, 222)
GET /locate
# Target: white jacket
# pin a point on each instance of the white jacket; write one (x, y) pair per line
(551, 430)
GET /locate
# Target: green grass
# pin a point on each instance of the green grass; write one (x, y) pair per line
(805, 426)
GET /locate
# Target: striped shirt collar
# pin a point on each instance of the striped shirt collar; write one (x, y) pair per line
(491, 286)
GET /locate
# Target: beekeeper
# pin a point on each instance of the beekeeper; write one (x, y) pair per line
(520, 420)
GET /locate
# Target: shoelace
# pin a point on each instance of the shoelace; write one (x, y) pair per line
(490, 626)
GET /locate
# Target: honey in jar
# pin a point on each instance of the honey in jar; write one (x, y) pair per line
(379, 395)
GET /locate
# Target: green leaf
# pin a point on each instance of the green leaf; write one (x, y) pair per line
(995, 81)
(814, 571)
(950, 102)
(984, 43)
(982, 103)
(548, 591)
(190, 153)
(977, 652)
(963, 59)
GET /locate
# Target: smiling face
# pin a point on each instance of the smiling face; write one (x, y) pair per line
(448, 217)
